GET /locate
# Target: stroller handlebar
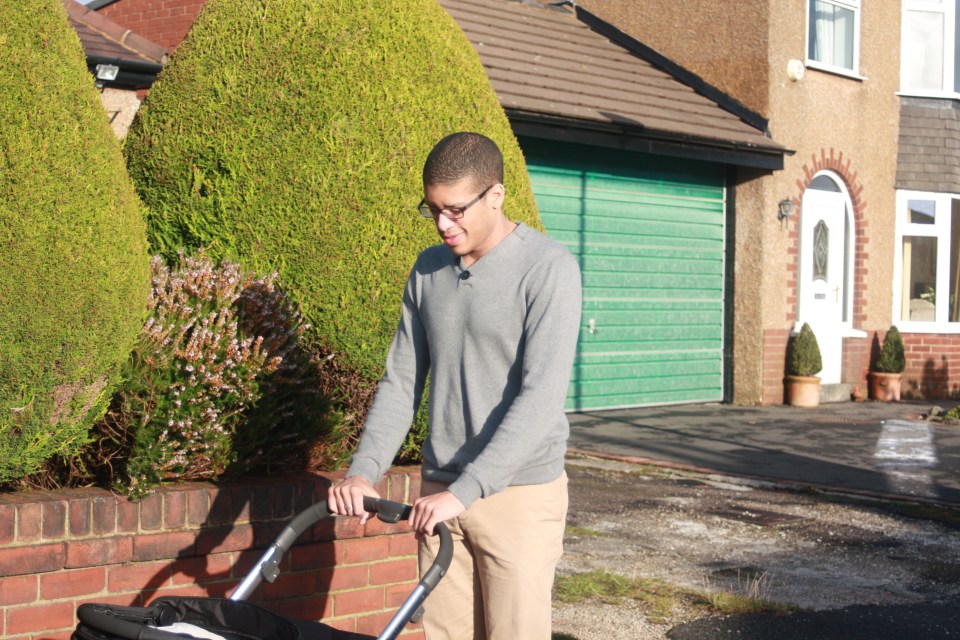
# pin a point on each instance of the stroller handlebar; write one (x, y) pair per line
(268, 568)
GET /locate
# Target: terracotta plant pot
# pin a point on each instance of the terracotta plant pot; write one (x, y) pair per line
(802, 391)
(885, 387)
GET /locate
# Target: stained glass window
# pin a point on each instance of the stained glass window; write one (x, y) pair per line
(821, 246)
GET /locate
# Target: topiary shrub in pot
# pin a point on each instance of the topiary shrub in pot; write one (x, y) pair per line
(74, 265)
(802, 386)
(887, 372)
(290, 135)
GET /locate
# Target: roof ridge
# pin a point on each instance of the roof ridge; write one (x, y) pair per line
(111, 30)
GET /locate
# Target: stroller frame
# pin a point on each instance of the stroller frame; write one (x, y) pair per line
(268, 569)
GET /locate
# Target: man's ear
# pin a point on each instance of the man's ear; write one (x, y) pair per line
(498, 193)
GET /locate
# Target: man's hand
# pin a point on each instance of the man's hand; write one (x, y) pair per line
(346, 498)
(427, 512)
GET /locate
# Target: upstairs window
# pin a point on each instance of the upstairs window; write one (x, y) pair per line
(929, 51)
(833, 35)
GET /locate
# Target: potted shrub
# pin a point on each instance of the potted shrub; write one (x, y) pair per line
(803, 363)
(887, 371)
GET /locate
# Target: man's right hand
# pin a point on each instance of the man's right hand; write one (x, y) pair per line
(346, 498)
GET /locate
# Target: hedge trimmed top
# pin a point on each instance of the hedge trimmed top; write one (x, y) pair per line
(290, 135)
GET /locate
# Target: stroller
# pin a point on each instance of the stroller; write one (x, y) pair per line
(234, 619)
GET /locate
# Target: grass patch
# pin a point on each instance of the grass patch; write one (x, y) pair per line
(583, 532)
(659, 599)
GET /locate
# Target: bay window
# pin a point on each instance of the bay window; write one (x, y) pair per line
(928, 260)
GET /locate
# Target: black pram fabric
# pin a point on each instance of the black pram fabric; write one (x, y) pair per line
(233, 620)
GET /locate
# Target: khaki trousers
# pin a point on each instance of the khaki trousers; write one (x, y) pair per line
(506, 550)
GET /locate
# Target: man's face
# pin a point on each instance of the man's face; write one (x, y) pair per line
(478, 230)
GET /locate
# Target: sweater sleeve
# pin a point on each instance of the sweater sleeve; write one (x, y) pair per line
(398, 393)
(551, 329)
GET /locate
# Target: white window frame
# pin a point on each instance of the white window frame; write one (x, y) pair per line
(940, 230)
(853, 5)
(949, 9)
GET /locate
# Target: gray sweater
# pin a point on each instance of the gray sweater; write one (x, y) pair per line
(498, 340)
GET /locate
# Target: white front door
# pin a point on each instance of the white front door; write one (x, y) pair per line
(822, 275)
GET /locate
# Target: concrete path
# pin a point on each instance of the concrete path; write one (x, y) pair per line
(875, 448)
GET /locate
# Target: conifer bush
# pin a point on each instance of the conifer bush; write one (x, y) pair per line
(290, 136)
(804, 358)
(74, 264)
(891, 358)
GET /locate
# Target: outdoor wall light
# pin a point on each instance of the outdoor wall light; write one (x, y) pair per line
(107, 72)
(784, 209)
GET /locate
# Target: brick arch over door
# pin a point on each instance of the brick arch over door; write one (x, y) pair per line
(842, 169)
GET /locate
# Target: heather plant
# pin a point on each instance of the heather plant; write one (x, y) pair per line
(218, 379)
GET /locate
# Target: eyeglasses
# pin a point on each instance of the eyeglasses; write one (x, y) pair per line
(452, 213)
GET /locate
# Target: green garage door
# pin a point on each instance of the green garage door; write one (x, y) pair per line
(649, 234)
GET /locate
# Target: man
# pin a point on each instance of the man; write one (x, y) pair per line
(493, 314)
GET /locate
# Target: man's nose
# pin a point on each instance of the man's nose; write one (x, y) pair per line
(443, 222)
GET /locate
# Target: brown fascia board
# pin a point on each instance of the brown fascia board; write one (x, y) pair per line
(634, 138)
(110, 29)
(724, 101)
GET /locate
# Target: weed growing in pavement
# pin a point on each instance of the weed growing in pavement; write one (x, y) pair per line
(659, 599)
(583, 532)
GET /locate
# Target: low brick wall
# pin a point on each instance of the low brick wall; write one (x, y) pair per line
(60, 549)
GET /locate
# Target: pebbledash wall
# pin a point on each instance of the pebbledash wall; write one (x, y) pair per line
(60, 549)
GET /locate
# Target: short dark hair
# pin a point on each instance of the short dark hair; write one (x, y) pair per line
(464, 155)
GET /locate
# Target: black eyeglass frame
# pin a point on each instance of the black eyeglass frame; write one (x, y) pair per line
(451, 213)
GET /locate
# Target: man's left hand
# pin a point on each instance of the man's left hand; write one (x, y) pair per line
(428, 511)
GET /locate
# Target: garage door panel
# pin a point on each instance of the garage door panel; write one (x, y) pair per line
(648, 233)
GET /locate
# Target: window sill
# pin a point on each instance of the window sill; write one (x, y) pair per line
(835, 71)
(934, 95)
(949, 328)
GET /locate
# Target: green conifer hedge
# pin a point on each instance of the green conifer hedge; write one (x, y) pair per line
(289, 135)
(74, 266)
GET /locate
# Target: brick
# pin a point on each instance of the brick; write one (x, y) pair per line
(236, 538)
(40, 618)
(71, 584)
(151, 512)
(198, 506)
(104, 515)
(8, 523)
(18, 590)
(240, 504)
(160, 546)
(33, 559)
(394, 571)
(261, 503)
(99, 552)
(362, 550)
(138, 576)
(54, 520)
(78, 511)
(221, 507)
(203, 569)
(291, 586)
(341, 578)
(362, 601)
(174, 509)
(313, 556)
(405, 545)
(128, 516)
(29, 518)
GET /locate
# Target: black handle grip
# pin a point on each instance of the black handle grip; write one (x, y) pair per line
(387, 511)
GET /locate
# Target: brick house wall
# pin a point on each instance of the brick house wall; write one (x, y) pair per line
(165, 22)
(60, 549)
